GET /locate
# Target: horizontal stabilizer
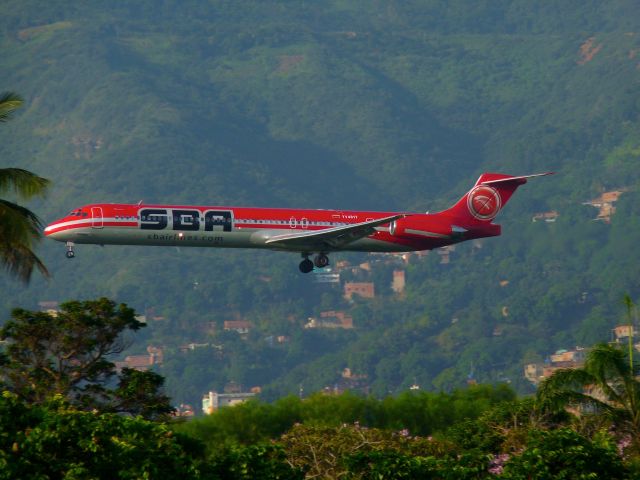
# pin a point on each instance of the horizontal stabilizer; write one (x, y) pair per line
(519, 180)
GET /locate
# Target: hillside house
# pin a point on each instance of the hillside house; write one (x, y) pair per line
(240, 326)
(621, 333)
(213, 401)
(184, 410)
(326, 275)
(398, 283)
(605, 204)
(445, 254)
(331, 319)
(155, 356)
(193, 346)
(362, 289)
(549, 217)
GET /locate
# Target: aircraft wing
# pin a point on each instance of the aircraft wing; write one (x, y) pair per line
(330, 238)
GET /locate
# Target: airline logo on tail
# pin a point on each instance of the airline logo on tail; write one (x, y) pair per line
(484, 202)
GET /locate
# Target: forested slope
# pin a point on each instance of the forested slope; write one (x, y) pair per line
(372, 105)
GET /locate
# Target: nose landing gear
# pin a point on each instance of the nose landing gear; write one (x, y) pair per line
(70, 252)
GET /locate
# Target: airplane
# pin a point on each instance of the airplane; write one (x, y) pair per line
(308, 232)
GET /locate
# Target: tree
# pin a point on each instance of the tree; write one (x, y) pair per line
(19, 227)
(563, 453)
(254, 461)
(393, 465)
(53, 440)
(607, 383)
(138, 393)
(332, 452)
(67, 353)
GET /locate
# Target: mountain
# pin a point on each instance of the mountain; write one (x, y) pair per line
(383, 105)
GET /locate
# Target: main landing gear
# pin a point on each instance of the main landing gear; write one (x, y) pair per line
(70, 252)
(320, 261)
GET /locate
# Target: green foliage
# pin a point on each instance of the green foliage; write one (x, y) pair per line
(504, 427)
(54, 441)
(138, 393)
(64, 353)
(412, 413)
(393, 465)
(564, 454)
(9, 102)
(251, 462)
(328, 452)
(345, 105)
(248, 423)
(67, 354)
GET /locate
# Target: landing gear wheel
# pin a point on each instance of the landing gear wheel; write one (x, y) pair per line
(321, 260)
(70, 253)
(306, 265)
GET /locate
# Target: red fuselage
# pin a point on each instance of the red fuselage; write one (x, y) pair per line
(122, 224)
(304, 231)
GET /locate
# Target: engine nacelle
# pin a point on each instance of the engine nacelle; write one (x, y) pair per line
(421, 228)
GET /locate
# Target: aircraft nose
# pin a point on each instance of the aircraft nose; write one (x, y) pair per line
(53, 231)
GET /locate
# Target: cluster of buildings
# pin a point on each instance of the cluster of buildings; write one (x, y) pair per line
(350, 381)
(575, 358)
(605, 203)
(536, 372)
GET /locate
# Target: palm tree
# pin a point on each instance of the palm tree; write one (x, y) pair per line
(606, 384)
(19, 227)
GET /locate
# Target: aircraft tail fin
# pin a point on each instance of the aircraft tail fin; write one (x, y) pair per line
(481, 204)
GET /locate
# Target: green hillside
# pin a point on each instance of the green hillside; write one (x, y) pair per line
(372, 105)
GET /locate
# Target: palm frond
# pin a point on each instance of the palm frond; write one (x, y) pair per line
(18, 224)
(566, 388)
(9, 102)
(22, 182)
(20, 261)
(561, 386)
(19, 231)
(608, 364)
